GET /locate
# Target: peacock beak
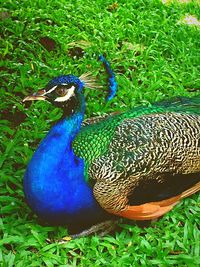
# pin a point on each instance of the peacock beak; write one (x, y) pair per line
(39, 95)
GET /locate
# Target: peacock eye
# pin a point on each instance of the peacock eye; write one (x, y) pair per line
(61, 91)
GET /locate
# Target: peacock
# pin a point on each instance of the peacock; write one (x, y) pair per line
(136, 164)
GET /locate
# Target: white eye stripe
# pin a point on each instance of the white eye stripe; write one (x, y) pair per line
(69, 94)
(51, 90)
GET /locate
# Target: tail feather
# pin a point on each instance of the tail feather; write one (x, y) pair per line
(181, 104)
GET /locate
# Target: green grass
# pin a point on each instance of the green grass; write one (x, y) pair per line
(154, 58)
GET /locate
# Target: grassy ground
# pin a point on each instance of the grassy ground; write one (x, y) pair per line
(155, 55)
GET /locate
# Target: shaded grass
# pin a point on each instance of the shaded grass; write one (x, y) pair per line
(153, 57)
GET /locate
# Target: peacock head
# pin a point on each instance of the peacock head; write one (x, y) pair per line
(62, 91)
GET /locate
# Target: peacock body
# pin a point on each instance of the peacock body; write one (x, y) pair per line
(137, 164)
(146, 154)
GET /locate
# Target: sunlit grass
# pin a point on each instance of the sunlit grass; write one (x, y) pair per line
(180, 1)
(190, 20)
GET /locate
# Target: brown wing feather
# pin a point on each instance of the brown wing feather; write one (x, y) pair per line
(152, 149)
(153, 210)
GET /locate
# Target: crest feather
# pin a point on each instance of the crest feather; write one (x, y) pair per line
(89, 81)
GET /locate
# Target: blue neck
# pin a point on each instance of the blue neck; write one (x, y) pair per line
(54, 183)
